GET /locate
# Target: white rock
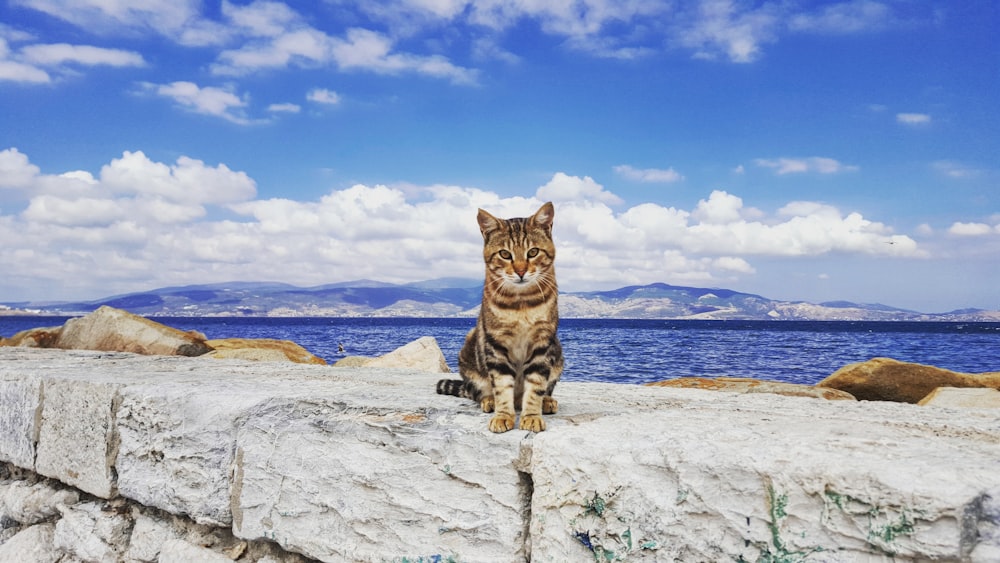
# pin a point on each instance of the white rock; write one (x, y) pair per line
(31, 503)
(92, 534)
(372, 465)
(963, 397)
(762, 477)
(388, 477)
(423, 354)
(987, 517)
(147, 538)
(177, 440)
(113, 329)
(180, 551)
(20, 403)
(76, 439)
(31, 545)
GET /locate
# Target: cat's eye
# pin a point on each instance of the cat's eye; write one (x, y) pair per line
(532, 253)
(505, 255)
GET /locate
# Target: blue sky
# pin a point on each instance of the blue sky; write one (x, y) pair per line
(799, 150)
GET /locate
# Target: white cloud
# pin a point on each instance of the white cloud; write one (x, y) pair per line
(62, 53)
(913, 118)
(261, 19)
(970, 229)
(140, 223)
(363, 49)
(284, 108)
(209, 100)
(277, 38)
(563, 187)
(846, 17)
(816, 164)
(720, 208)
(649, 175)
(16, 171)
(323, 96)
(19, 72)
(723, 27)
(187, 181)
(956, 170)
(180, 20)
(32, 63)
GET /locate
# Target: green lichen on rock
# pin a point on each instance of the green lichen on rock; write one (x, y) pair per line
(883, 534)
(886, 525)
(605, 532)
(778, 552)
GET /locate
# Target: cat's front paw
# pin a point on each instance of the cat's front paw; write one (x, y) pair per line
(532, 423)
(487, 404)
(549, 405)
(501, 423)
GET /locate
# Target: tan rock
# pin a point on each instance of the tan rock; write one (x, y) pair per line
(967, 398)
(352, 362)
(886, 379)
(750, 385)
(34, 338)
(422, 354)
(114, 330)
(262, 350)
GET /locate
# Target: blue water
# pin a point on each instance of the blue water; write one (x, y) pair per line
(639, 351)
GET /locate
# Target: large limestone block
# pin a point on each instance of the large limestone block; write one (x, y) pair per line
(20, 405)
(749, 385)
(965, 398)
(369, 474)
(77, 440)
(763, 477)
(177, 438)
(261, 350)
(886, 379)
(114, 330)
(423, 354)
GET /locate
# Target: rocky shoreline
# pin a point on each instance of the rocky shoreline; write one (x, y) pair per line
(123, 456)
(879, 379)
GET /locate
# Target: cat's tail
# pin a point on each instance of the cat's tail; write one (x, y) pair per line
(454, 387)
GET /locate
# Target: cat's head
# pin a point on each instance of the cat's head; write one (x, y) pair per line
(519, 252)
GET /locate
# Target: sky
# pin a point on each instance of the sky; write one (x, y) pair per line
(815, 151)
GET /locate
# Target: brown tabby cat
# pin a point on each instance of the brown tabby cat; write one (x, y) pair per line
(512, 359)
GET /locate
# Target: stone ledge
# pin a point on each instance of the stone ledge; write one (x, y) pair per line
(372, 465)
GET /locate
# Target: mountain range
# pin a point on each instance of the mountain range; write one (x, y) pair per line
(454, 297)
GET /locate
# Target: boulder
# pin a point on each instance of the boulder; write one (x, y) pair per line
(261, 350)
(113, 330)
(749, 385)
(34, 338)
(886, 379)
(968, 398)
(423, 354)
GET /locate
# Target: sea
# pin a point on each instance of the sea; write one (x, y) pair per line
(636, 351)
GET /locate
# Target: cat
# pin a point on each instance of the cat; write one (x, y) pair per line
(512, 358)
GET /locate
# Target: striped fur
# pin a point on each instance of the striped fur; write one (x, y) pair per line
(512, 359)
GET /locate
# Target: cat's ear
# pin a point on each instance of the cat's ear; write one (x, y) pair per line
(487, 223)
(543, 217)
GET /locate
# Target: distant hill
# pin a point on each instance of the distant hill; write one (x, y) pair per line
(453, 297)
